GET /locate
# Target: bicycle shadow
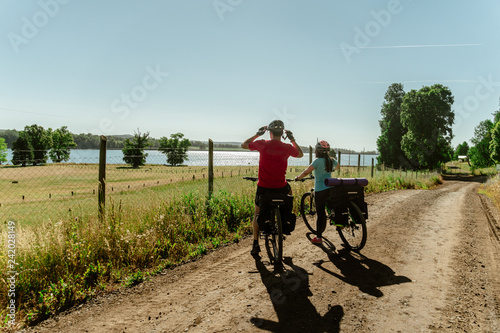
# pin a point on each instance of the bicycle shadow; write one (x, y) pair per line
(358, 270)
(289, 292)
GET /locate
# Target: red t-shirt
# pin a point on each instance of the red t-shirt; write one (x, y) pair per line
(273, 161)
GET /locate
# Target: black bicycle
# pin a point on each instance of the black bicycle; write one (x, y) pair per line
(273, 232)
(348, 198)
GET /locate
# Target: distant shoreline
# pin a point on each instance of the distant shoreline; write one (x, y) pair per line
(304, 149)
(197, 157)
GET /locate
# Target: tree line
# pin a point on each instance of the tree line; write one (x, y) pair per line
(82, 140)
(416, 131)
(34, 145)
(91, 141)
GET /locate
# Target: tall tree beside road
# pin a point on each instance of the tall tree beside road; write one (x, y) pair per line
(479, 154)
(175, 148)
(41, 141)
(427, 116)
(391, 129)
(495, 143)
(133, 149)
(62, 142)
(22, 151)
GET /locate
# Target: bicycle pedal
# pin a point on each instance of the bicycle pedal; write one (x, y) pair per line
(268, 232)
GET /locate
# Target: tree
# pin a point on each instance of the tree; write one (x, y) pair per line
(133, 149)
(391, 129)
(3, 151)
(175, 148)
(10, 136)
(479, 154)
(496, 114)
(462, 150)
(427, 116)
(62, 142)
(495, 143)
(41, 141)
(22, 151)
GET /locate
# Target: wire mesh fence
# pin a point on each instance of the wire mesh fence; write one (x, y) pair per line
(55, 191)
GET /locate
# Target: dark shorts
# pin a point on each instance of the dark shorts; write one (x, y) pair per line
(261, 190)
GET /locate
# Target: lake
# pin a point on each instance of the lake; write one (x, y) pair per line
(200, 158)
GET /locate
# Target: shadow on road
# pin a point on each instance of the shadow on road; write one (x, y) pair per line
(465, 177)
(358, 270)
(289, 291)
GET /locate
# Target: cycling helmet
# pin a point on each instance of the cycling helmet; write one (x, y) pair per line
(322, 146)
(276, 125)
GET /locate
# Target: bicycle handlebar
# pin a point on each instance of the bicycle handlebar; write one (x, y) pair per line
(307, 178)
(288, 180)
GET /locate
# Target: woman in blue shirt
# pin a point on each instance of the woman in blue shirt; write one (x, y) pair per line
(323, 166)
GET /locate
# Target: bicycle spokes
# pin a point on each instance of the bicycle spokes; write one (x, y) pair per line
(354, 233)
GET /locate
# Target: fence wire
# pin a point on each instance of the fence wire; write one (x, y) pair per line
(53, 191)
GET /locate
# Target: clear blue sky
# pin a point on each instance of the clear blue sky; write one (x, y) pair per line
(221, 69)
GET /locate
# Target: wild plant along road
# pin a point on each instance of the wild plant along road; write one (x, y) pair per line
(430, 265)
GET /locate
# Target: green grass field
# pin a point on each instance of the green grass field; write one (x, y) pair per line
(32, 195)
(36, 194)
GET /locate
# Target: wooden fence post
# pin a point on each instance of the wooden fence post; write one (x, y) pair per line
(340, 159)
(102, 177)
(359, 163)
(310, 155)
(373, 165)
(210, 167)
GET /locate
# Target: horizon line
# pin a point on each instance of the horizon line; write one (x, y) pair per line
(417, 46)
(417, 81)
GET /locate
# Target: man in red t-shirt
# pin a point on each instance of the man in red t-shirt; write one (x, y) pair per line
(273, 162)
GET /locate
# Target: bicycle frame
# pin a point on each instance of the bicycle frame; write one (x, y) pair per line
(273, 239)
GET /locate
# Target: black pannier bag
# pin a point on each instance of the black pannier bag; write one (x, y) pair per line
(338, 199)
(288, 218)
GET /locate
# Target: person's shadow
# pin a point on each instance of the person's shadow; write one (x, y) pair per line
(289, 291)
(358, 270)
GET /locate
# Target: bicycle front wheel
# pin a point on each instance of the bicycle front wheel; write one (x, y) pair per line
(354, 234)
(274, 241)
(308, 210)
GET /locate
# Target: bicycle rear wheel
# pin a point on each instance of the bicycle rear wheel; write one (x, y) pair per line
(308, 210)
(354, 234)
(274, 241)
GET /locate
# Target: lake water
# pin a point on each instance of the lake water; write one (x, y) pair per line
(200, 158)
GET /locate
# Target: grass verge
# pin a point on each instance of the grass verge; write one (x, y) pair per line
(61, 264)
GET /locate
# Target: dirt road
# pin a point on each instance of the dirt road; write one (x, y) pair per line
(431, 264)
